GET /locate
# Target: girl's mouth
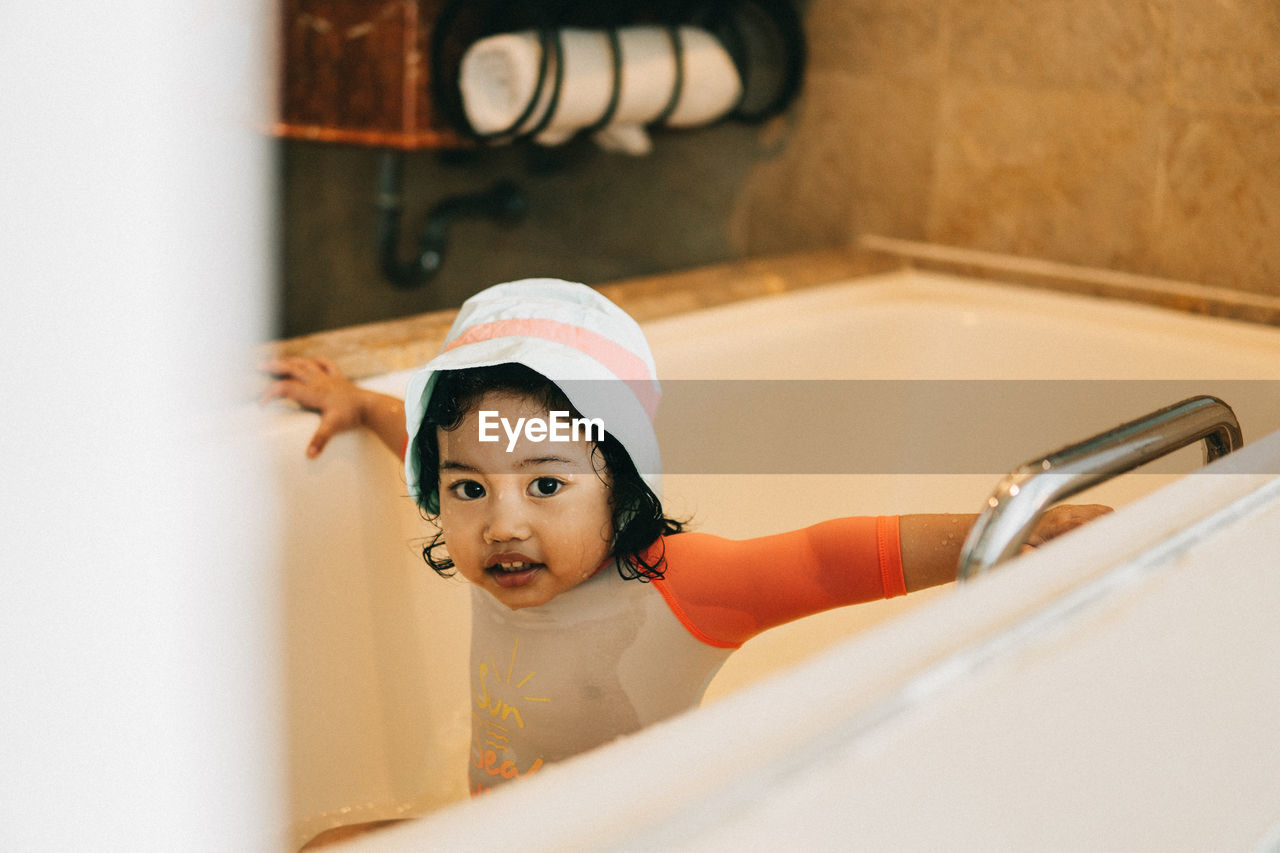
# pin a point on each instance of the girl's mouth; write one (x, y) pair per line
(515, 573)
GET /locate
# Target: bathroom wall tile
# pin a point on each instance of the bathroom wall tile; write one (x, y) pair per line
(1227, 52)
(1067, 175)
(592, 216)
(1094, 44)
(1133, 134)
(1219, 215)
(856, 157)
(886, 38)
(324, 204)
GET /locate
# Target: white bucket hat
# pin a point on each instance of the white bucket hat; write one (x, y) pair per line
(565, 332)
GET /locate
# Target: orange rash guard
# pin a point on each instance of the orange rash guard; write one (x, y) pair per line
(725, 592)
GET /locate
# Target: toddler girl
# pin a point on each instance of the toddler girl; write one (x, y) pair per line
(593, 614)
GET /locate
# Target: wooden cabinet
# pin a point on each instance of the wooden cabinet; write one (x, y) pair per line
(357, 71)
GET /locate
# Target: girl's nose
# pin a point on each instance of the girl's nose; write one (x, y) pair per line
(507, 520)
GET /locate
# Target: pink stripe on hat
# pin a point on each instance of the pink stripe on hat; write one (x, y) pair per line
(620, 361)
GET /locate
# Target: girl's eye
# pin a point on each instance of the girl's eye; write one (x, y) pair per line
(545, 487)
(467, 490)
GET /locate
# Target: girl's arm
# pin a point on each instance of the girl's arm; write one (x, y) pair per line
(931, 543)
(317, 384)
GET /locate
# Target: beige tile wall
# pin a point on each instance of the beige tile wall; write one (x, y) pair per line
(1134, 134)
(1141, 135)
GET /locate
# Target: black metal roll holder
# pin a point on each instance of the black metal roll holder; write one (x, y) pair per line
(755, 33)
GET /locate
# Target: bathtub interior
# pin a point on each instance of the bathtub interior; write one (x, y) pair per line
(1099, 696)
(378, 644)
(923, 326)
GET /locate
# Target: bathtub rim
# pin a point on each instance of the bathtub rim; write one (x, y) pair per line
(909, 285)
(592, 814)
(372, 349)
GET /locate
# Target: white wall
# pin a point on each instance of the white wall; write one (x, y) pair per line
(138, 606)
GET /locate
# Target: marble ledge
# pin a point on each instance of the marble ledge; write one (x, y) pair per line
(385, 347)
(1186, 296)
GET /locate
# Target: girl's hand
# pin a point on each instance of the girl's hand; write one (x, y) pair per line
(1060, 519)
(931, 544)
(316, 384)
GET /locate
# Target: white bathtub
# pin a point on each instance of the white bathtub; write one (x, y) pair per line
(377, 690)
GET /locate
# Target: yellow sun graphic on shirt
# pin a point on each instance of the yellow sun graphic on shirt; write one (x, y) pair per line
(497, 714)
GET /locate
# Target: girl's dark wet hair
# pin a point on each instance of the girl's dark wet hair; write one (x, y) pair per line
(638, 520)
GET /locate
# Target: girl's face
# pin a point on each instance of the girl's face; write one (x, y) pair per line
(525, 524)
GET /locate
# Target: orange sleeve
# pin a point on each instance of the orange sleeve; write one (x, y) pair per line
(725, 592)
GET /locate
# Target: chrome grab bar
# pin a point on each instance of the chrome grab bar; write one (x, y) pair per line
(1025, 493)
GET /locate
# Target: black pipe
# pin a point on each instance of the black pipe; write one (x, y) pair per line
(503, 202)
